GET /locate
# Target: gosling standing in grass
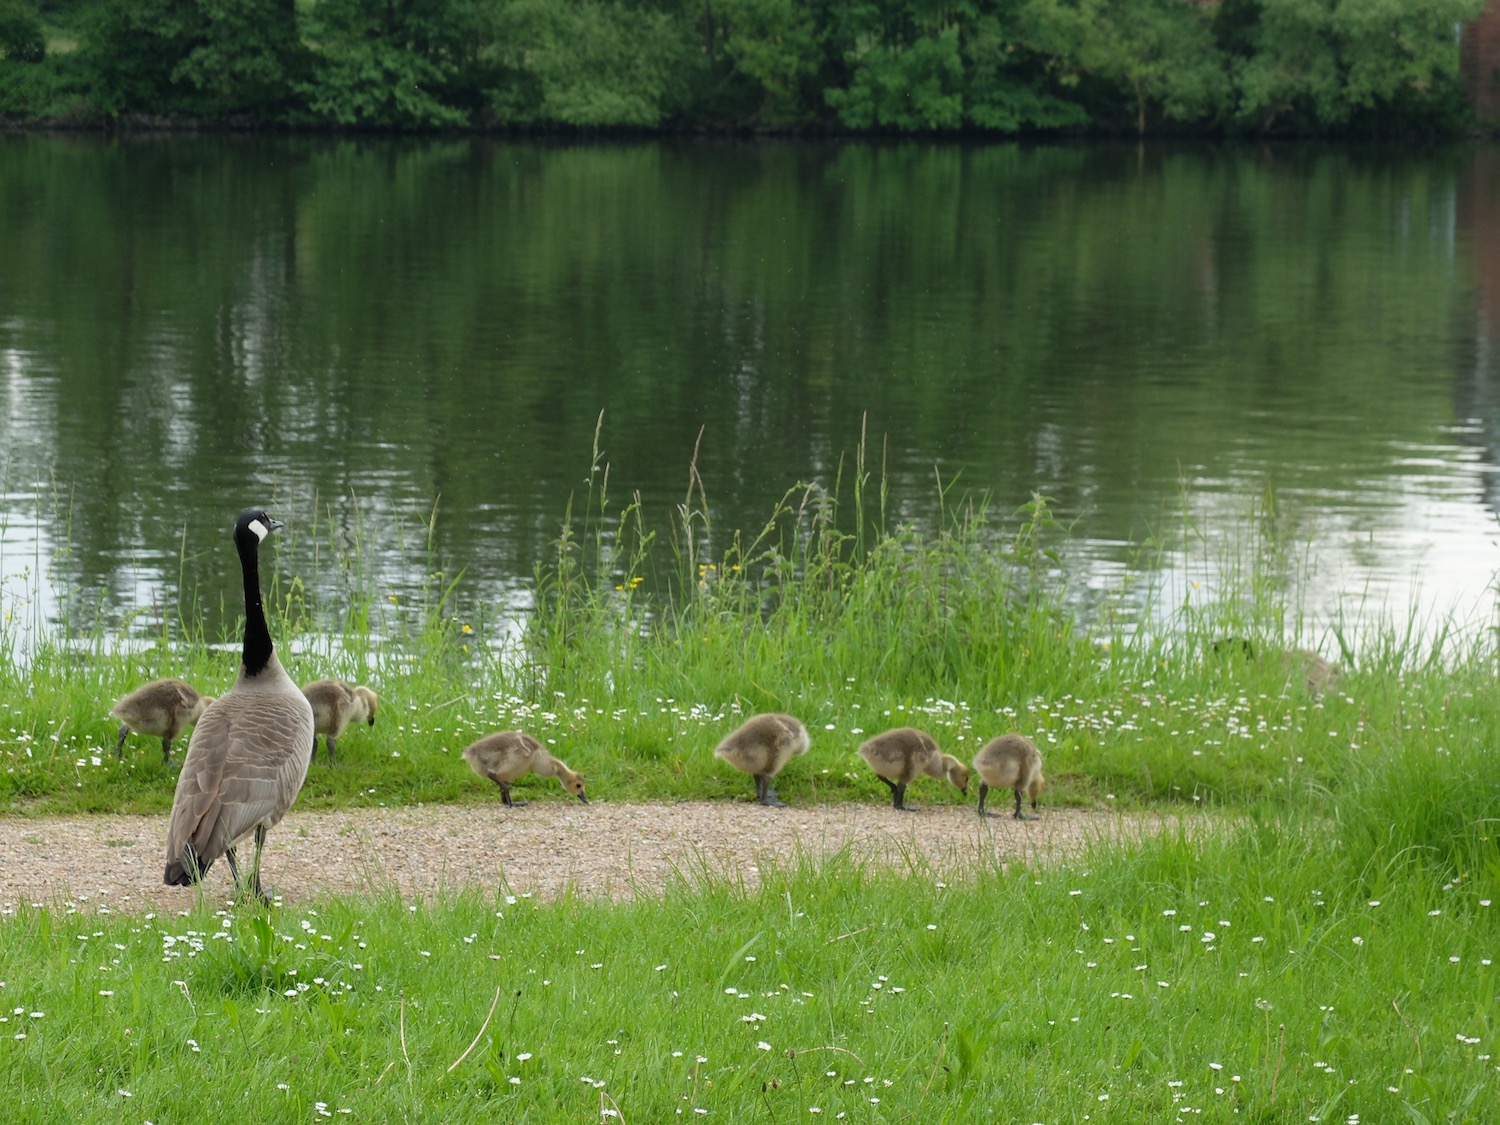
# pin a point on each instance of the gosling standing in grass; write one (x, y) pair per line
(509, 754)
(161, 708)
(761, 747)
(335, 706)
(899, 756)
(250, 751)
(1011, 761)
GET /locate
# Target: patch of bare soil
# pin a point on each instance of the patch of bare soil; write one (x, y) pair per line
(598, 850)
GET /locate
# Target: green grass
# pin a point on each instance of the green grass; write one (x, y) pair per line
(1241, 972)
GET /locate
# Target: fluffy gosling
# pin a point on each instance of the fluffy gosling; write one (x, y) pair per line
(901, 755)
(1011, 761)
(761, 747)
(161, 708)
(508, 754)
(335, 706)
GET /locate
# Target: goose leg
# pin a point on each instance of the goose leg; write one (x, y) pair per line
(891, 785)
(166, 749)
(505, 795)
(898, 792)
(120, 745)
(328, 739)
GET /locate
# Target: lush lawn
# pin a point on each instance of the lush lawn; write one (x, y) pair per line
(1248, 974)
(1324, 954)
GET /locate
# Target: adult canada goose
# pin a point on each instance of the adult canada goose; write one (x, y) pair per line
(250, 751)
(901, 755)
(509, 754)
(335, 705)
(162, 708)
(1317, 673)
(761, 747)
(1011, 761)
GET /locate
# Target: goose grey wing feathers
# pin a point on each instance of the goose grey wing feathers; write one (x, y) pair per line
(245, 765)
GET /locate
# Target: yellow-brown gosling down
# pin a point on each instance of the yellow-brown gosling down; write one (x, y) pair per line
(161, 708)
(335, 706)
(509, 754)
(249, 753)
(899, 756)
(760, 747)
(1011, 761)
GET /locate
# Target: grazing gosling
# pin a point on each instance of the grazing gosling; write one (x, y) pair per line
(1011, 761)
(899, 756)
(508, 754)
(335, 705)
(761, 747)
(162, 708)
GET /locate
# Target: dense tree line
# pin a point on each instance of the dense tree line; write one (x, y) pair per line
(1302, 67)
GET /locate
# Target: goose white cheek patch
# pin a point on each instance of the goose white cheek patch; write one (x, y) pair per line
(260, 529)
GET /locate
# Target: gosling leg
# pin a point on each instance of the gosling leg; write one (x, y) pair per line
(765, 795)
(120, 745)
(984, 791)
(328, 740)
(505, 795)
(898, 798)
(1019, 814)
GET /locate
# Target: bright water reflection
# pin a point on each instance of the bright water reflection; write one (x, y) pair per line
(1180, 345)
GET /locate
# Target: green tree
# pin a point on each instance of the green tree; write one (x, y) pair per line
(1312, 64)
(198, 57)
(595, 63)
(21, 38)
(778, 45)
(398, 63)
(1160, 54)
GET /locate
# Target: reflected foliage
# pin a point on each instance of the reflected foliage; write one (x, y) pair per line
(358, 331)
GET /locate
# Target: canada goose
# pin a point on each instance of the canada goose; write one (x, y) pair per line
(250, 751)
(1011, 761)
(761, 747)
(1317, 673)
(335, 705)
(508, 754)
(162, 708)
(899, 756)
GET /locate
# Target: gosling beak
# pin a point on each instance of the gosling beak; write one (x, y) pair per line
(583, 798)
(372, 720)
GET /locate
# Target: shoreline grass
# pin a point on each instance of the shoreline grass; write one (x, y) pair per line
(643, 647)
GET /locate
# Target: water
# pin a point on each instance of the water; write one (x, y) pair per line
(1179, 345)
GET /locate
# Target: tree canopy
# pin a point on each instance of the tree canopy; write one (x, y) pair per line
(1304, 67)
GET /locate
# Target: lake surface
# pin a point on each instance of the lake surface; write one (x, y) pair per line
(1185, 347)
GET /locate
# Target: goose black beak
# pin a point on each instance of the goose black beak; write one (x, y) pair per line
(583, 798)
(273, 523)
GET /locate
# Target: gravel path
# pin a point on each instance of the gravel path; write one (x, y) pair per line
(601, 849)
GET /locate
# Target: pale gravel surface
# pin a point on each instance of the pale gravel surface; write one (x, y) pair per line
(601, 849)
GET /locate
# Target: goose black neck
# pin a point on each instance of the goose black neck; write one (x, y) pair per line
(257, 652)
